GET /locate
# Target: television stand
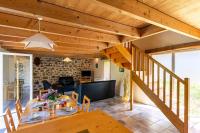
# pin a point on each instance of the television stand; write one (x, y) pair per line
(86, 79)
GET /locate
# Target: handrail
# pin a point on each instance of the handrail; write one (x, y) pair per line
(143, 66)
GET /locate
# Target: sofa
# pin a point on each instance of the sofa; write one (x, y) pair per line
(96, 90)
(64, 84)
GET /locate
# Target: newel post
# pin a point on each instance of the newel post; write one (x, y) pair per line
(186, 104)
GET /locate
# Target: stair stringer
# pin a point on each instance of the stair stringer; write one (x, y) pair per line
(159, 103)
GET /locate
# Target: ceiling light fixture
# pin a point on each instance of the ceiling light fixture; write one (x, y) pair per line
(38, 40)
(67, 59)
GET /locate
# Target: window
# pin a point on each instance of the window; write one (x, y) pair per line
(188, 65)
(164, 59)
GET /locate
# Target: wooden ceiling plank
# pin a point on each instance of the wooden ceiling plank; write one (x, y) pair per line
(52, 12)
(143, 12)
(53, 29)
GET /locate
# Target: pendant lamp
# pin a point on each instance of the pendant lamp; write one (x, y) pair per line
(38, 40)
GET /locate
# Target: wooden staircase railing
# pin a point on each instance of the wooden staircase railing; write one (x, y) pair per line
(168, 91)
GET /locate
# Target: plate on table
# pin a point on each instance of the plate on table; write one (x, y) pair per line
(38, 104)
(66, 111)
(35, 117)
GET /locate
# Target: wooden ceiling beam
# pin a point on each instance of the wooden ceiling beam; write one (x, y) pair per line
(143, 12)
(56, 13)
(178, 47)
(146, 32)
(13, 40)
(151, 30)
(56, 54)
(58, 46)
(52, 30)
(62, 51)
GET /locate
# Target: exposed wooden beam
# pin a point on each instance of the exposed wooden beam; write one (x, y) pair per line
(146, 32)
(56, 31)
(178, 47)
(143, 12)
(16, 40)
(61, 51)
(151, 30)
(50, 11)
(61, 46)
(56, 54)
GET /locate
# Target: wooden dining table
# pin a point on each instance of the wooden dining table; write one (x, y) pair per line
(95, 121)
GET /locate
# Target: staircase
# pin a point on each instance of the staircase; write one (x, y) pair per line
(169, 92)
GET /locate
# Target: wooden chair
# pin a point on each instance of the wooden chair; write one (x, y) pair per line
(75, 97)
(9, 121)
(42, 92)
(18, 107)
(86, 104)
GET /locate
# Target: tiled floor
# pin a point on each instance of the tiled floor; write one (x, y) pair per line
(143, 118)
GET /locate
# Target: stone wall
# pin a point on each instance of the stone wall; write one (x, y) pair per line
(51, 68)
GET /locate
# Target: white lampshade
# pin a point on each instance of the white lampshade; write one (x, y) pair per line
(67, 59)
(38, 41)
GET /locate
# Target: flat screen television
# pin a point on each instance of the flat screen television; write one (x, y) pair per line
(86, 73)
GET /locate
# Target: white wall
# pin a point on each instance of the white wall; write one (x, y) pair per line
(99, 71)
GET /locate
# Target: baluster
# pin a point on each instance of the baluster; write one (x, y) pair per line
(164, 85)
(178, 97)
(135, 59)
(158, 81)
(186, 103)
(132, 57)
(152, 75)
(170, 94)
(143, 66)
(139, 56)
(148, 71)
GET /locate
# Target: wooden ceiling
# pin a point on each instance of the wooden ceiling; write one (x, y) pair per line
(85, 27)
(184, 10)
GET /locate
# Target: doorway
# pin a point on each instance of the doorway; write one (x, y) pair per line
(15, 80)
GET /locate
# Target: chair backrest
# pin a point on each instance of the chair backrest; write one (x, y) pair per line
(42, 92)
(75, 97)
(18, 107)
(86, 104)
(9, 121)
